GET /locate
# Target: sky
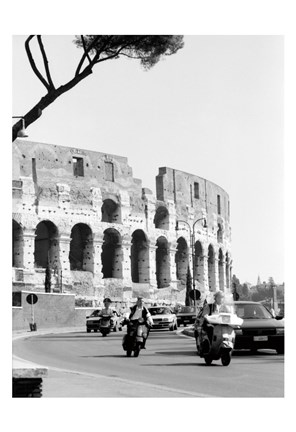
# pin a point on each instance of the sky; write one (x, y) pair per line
(214, 109)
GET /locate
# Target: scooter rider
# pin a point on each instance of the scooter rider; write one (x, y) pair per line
(107, 309)
(213, 309)
(140, 311)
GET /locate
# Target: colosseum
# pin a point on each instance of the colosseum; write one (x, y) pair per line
(81, 217)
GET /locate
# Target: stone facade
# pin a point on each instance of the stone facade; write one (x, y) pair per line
(84, 217)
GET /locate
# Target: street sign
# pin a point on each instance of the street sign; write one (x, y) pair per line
(32, 299)
(194, 294)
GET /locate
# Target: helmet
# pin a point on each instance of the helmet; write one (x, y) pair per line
(107, 300)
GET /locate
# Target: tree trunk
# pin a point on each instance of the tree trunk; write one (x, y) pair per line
(47, 100)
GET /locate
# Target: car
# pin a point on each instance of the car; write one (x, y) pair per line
(163, 318)
(259, 329)
(186, 315)
(93, 320)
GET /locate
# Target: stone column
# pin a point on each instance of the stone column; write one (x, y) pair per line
(172, 264)
(126, 263)
(205, 274)
(97, 261)
(64, 259)
(28, 249)
(152, 265)
(222, 275)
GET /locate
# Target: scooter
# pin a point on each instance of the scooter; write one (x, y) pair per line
(105, 325)
(220, 345)
(134, 339)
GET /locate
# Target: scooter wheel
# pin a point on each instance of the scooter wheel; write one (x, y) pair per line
(208, 360)
(128, 353)
(225, 358)
(136, 353)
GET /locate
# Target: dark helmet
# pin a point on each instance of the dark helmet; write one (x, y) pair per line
(107, 300)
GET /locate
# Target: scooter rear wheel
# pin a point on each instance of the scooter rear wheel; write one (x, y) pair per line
(136, 353)
(128, 353)
(208, 360)
(226, 358)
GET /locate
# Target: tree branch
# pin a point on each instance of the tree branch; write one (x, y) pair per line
(86, 55)
(32, 63)
(45, 61)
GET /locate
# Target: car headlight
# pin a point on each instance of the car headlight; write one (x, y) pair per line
(280, 330)
(238, 331)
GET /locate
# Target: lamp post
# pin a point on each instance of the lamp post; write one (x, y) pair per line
(192, 242)
(22, 132)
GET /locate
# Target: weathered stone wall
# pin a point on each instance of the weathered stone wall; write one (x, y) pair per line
(101, 233)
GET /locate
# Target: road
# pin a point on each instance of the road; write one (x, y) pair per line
(88, 365)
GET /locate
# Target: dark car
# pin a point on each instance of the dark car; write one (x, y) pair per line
(93, 320)
(259, 329)
(163, 318)
(186, 315)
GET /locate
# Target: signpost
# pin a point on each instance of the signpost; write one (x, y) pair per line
(32, 299)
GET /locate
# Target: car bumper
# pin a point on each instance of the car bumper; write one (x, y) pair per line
(162, 325)
(250, 342)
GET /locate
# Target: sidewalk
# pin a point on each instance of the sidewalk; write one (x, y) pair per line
(66, 383)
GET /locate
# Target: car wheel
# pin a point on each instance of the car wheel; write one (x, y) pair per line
(253, 350)
(88, 330)
(95, 330)
(120, 328)
(171, 327)
(185, 324)
(128, 353)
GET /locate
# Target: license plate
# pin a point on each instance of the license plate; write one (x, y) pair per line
(260, 338)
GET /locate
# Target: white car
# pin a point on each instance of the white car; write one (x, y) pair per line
(163, 318)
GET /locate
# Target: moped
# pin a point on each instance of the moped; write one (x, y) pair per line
(105, 325)
(134, 339)
(216, 337)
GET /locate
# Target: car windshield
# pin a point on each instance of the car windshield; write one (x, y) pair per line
(187, 309)
(95, 313)
(160, 311)
(252, 311)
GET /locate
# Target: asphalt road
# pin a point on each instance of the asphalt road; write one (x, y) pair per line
(87, 365)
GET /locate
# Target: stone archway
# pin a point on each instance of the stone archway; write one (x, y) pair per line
(139, 257)
(110, 211)
(162, 263)
(81, 248)
(161, 218)
(211, 268)
(112, 254)
(221, 265)
(198, 262)
(182, 260)
(46, 251)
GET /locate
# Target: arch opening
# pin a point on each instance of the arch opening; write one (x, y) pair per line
(46, 251)
(111, 254)
(161, 218)
(211, 268)
(182, 260)
(162, 263)
(110, 211)
(139, 257)
(198, 262)
(81, 248)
